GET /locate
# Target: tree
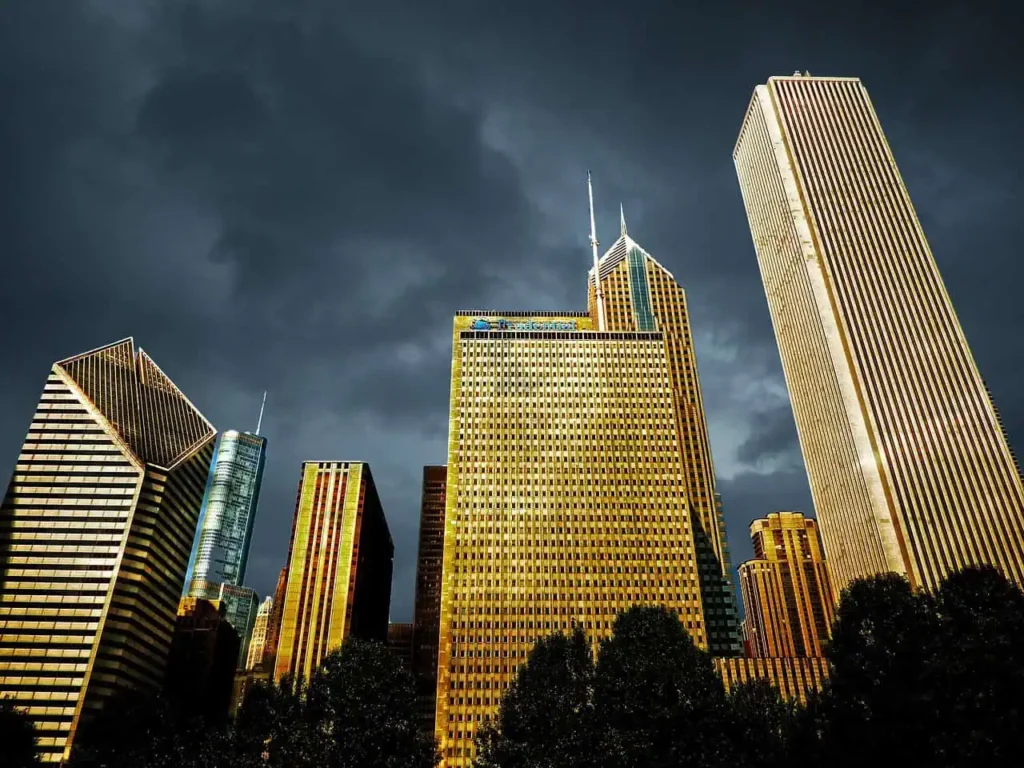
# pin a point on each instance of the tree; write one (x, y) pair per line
(658, 700)
(979, 670)
(137, 728)
(762, 724)
(545, 718)
(17, 737)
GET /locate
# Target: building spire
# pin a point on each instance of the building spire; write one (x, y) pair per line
(598, 293)
(259, 424)
(622, 220)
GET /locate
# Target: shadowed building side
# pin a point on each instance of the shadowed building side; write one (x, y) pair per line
(908, 463)
(427, 612)
(339, 567)
(96, 528)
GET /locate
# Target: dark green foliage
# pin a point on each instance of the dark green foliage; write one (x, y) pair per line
(916, 679)
(762, 727)
(138, 729)
(545, 717)
(17, 737)
(658, 701)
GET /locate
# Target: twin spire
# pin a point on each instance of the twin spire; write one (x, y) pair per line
(598, 293)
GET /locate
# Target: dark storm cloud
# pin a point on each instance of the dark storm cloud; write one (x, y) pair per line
(297, 195)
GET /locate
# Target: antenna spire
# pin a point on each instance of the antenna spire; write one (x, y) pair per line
(598, 293)
(622, 220)
(259, 424)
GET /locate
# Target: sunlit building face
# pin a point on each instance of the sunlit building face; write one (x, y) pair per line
(566, 500)
(908, 463)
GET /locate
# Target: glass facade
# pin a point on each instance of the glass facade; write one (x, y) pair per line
(95, 531)
(229, 509)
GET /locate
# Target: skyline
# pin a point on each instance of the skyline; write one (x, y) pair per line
(954, 147)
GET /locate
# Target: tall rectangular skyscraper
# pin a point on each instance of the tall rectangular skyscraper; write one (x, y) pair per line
(566, 500)
(95, 532)
(339, 567)
(908, 463)
(222, 546)
(639, 294)
(427, 612)
(787, 593)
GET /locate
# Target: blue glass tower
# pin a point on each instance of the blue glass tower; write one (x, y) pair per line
(221, 550)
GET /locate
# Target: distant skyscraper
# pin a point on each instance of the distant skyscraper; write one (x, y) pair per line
(400, 642)
(258, 641)
(427, 613)
(639, 294)
(787, 595)
(908, 463)
(274, 622)
(201, 667)
(566, 500)
(95, 532)
(229, 511)
(339, 566)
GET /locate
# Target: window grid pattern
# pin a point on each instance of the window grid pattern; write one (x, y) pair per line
(795, 679)
(924, 482)
(667, 300)
(93, 545)
(787, 593)
(565, 503)
(428, 590)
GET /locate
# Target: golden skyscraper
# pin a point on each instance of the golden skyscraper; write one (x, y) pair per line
(339, 567)
(96, 529)
(787, 595)
(566, 500)
(639, 294)
(258, 643)
(908, 463)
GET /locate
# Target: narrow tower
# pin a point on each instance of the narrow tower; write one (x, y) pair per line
(908, 463)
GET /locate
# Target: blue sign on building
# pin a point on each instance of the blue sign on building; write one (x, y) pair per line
(501, 324)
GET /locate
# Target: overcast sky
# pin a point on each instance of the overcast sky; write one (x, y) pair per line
(297, 196)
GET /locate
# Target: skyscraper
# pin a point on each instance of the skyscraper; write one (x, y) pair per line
(639, 294)
(908, 463)
(274, 622)
(565, 501)
(400, 642)
(427, 611)
(95, 532)
(258, 641)
(787, 594)
(201, 665)
(222, 546)
(339, 566)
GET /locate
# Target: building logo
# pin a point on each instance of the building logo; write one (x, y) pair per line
(501, 324)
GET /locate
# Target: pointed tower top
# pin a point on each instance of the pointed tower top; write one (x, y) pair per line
(598, 294)
(259, 424)
(622, 220)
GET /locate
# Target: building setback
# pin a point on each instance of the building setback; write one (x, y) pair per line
(427, 612)
(787, 594)
(908, 463)
(96, 527)
(340, 562)
(565, 500)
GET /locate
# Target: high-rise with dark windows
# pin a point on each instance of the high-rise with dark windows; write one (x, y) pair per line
(427, 612)
(95, 532)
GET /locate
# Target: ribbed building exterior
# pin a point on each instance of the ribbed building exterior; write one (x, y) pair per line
(642, 295)
(258, 641)
(340, 562)
(96, 527)
(795, 679)
(427, 607)
(400, 642)
(908, 463)
(787, 594)
(565, 501)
